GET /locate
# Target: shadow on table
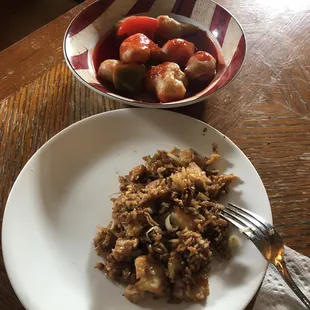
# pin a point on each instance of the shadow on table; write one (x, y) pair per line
(196, 110)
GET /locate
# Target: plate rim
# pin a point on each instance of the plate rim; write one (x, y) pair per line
(5, 222)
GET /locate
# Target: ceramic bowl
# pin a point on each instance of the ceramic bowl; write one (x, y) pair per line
(94, 26)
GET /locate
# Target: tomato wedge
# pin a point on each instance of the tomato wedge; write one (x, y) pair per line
(138, 24)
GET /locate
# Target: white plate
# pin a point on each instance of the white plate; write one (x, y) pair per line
(62, 194)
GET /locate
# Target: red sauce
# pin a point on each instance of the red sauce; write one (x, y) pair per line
(179, 51)
(138, 44)
(158, 70)
(138, 40)
(108, 48)
(203, 56)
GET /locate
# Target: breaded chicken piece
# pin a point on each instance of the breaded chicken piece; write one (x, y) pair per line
(201, 67)
(167, 81)
(139, 49)
(179, 51)
(107, 69)
(169, 28)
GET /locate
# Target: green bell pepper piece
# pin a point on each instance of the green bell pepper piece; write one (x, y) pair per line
(129, 78)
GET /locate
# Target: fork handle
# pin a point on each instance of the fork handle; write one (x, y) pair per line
(288, 279)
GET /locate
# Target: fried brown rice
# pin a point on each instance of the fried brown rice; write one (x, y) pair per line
(165, 226)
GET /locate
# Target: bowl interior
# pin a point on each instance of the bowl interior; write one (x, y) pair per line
(89, 40)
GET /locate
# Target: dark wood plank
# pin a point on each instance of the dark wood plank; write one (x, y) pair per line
(23, 17)
(29, 58)
(277, 141)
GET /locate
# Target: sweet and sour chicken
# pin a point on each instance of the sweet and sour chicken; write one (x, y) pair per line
(166, 69)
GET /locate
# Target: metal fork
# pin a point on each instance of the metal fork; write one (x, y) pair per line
(266, 239)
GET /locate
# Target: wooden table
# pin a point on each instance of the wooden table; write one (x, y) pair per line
(265, 110)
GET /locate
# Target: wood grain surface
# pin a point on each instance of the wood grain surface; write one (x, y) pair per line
(265, 110)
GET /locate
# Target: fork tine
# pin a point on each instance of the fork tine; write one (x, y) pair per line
(232, 221)
(261, 230)
(255, 216)
(246, 222)
(259, 242)
(266, 228)
(235, 221)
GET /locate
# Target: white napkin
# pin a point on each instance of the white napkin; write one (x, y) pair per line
(274, 292)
